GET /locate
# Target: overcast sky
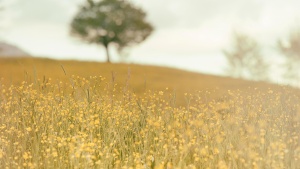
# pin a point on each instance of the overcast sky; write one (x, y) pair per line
(189, 34)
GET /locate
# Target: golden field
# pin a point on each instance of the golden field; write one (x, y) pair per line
(67, 114)
(138, 78)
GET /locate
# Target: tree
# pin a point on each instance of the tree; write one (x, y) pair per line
(291, 51)
(108, 22)
(245, 59)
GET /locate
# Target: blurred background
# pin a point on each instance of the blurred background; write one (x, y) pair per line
(194, 35)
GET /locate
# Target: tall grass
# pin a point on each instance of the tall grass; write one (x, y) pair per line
(94, 123)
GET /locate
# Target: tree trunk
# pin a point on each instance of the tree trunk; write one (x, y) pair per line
(107, 54)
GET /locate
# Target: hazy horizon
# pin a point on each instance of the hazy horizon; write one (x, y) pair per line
(189, 32)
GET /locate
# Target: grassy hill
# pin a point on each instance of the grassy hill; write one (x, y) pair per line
(130, 120)
(140, 78)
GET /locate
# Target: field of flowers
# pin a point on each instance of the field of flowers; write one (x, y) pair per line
(94, 123)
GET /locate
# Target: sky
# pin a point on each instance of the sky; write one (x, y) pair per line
(189, 34)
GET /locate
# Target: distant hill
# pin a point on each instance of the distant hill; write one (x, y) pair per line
(8, 50)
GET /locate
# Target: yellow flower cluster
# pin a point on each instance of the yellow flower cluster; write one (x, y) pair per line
(87, 124)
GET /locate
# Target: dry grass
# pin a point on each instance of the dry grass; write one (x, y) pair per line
(139, 78)
(95, 122)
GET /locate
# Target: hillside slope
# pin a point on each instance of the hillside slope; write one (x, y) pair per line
(8, 50)
(139, 77)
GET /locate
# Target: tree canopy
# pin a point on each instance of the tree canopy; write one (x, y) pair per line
(245, 59)
(108, 22)
(290, 48)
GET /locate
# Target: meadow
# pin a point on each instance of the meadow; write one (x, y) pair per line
(53, 119)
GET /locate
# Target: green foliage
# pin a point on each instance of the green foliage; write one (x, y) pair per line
(111, 22)
(245, 59)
